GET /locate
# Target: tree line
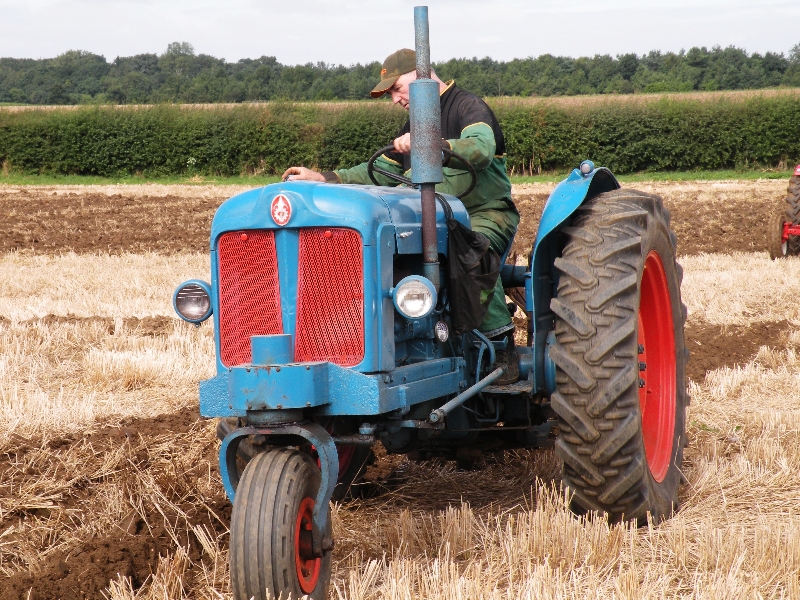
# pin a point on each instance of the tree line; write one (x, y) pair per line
(180, 75)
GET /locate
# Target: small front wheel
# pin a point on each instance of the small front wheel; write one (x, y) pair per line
(270, 547)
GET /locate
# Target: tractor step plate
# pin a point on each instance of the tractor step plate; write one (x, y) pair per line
(520, 387)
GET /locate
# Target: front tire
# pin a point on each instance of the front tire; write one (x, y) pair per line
(270, 529)
(620, 358)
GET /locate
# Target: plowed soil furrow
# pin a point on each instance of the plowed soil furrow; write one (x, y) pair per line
(131, 547)
(714, 346)
(705, 216)
(92, 222)
(148, 326)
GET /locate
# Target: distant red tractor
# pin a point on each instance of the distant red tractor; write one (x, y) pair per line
(783, 229)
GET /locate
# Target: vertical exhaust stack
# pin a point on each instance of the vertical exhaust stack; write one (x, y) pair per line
(426, 144)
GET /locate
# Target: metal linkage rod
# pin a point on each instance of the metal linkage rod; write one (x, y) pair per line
(439, 414)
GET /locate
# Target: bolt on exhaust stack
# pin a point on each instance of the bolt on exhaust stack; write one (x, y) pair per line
(426, 144)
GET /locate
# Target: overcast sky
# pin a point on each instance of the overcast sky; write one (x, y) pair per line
(347, 32)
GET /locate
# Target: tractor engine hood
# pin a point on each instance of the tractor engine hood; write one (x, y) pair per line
(360, 207)
(406, 214)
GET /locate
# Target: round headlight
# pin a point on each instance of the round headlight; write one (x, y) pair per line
(414, 297)
(192, 301)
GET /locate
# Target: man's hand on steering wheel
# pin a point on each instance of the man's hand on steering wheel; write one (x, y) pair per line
(301, 174)
(403, 144)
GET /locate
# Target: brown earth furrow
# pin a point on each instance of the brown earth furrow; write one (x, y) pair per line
(147, 326)
(145, 454)
(90, 223)
(134, 546)
(716, 346)
(706, 216)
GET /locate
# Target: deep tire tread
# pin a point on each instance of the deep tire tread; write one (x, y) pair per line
(596, 308)
(792, 213)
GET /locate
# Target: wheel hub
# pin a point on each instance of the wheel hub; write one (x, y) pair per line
(308, 567)
(657, 367)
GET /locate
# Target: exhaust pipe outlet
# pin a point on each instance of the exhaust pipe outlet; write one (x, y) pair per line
(426, 146)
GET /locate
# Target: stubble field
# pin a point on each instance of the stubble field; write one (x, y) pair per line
(108, 477)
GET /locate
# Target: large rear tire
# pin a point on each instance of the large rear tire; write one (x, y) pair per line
(620, 357)
(270, 547)
(775, 245)
(792, 212)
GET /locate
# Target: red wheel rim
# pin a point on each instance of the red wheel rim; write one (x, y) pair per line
(308, 567)
(656, 338)
(784, 237)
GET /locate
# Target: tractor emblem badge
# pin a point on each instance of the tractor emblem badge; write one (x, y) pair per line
(281, 210)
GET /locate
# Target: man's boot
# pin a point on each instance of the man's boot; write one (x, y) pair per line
(507, 357)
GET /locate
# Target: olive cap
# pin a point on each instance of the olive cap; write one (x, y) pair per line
(401, 62)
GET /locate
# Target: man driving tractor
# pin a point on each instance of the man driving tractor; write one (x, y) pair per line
(470, 129)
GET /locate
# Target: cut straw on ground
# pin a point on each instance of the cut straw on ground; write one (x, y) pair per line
(504, 531)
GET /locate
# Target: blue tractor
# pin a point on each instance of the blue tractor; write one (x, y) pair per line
(334, 332)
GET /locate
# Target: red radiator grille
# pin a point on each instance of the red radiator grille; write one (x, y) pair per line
(249, 292)
(330, 297)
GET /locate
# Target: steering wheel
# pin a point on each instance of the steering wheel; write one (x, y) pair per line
(447, 152)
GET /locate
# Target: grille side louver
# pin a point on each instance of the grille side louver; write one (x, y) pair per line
(330, 297)
(249, 292)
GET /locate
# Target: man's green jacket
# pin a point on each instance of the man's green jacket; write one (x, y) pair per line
(471, 129)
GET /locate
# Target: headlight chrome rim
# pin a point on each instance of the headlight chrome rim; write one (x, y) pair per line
(191, 292)
(414, 289)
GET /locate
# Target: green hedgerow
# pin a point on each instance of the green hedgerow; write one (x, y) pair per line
(172, 140)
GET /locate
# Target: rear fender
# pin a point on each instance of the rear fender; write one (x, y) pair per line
(540, 288)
